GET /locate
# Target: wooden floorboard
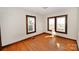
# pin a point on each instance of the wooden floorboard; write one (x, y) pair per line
(43, 42)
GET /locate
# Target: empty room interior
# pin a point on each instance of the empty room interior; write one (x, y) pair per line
(39, 28)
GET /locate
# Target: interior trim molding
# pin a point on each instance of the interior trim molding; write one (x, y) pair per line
(0, 40)
(32, 37)
(65, 37)
(69, 39)
(34, 17)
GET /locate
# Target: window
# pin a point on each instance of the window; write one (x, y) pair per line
(61, 24)
(30, 24)
(51, 23)
(57, 23)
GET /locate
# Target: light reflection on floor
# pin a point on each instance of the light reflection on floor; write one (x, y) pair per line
(60, 45)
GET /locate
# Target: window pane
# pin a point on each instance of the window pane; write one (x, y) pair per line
(51, 23)
(30, 24)
(61, 24)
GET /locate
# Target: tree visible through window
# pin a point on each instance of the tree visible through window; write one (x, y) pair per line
(61, 24)
(31, 24)
(51, 24)
(57, 23)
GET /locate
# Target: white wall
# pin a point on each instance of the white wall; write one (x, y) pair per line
(72, 22)
(78, 26)
(13, 25)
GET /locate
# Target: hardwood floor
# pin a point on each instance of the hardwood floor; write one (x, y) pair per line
(43, 42)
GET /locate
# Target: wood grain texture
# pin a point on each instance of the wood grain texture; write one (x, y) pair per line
(27, 24)
(43, 42)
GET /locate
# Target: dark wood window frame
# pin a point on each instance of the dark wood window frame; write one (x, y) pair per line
(27, 24)
(48, 23)
(56, 23)
(65, 24)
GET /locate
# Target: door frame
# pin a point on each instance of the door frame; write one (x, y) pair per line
(0, 40)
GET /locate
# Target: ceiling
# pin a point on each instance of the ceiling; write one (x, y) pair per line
(45, 10)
